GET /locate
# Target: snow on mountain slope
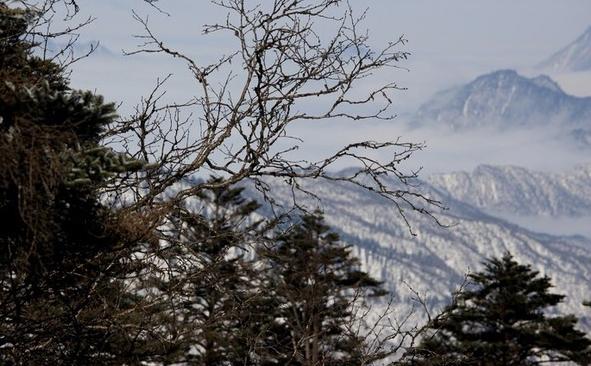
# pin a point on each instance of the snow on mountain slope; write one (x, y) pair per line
(521, 191)
(505, 100)
(574, 57)
(436, 260)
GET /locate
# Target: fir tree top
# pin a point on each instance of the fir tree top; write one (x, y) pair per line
(502, 319)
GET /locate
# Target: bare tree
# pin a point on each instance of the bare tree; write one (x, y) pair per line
(237, 125)
(246, 100)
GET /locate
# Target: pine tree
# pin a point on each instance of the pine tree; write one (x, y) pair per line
(65, 256)
(314, 279)
(215, 281)
(501, 320)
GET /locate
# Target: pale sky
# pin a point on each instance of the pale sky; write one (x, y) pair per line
(451, 42)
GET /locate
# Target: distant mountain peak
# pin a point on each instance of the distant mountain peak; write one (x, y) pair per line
(574, 57)
(509, 75)
(546, 82)
(504, 99)
(497, 76)
(79, 48)
(503, 73)
(498, 79)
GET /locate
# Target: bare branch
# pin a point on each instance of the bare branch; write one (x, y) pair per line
(285, 70)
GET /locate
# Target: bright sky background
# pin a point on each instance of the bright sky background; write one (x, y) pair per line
(451, 42)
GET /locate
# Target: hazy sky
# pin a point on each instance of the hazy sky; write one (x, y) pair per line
(506, 30)
(451, 42)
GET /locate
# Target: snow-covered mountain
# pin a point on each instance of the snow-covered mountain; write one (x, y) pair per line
(521, 191)
(574, 57)
(435, 261)
(505, 100)
(79, 48)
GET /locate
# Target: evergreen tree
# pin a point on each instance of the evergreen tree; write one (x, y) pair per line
(314, 279)
(215, 281)
(501, 320)
(65, 256)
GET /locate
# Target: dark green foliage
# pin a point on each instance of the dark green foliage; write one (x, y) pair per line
(64, 257)
(314, 280)
(16, 64)
(84, 284)
(501, 320)
(215, 284)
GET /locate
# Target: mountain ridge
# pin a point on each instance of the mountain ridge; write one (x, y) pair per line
(574, 57)
(435, 261)
(521, 191)
(504, 99)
